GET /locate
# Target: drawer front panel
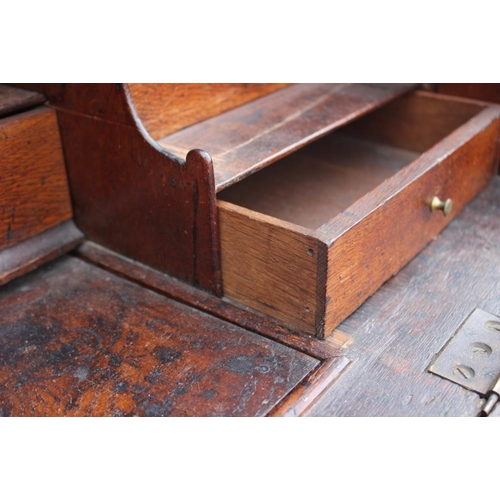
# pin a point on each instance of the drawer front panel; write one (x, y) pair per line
(386, 238)
(33, 186)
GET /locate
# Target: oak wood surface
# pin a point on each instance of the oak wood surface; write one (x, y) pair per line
(165, 108)
(223, 308)
(394, 335)
(269, 266)
(33, 185)
(254, 135)
(107, 101)
(13, 99)
(77, 340)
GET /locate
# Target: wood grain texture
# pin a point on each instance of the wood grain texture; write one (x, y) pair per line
(270, 266)
(76, 340)
(394, 335)
(389, 226)
(13, 99)
(33, 184)
(129, 194)
(37, 250)
(165, 108)
(252, 136)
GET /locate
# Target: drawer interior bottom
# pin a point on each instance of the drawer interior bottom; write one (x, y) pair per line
(320, 181)
(313, 185)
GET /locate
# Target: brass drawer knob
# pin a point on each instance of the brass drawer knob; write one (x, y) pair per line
(445, 206)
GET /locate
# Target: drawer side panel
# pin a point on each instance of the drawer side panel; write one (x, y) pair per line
(269, 267)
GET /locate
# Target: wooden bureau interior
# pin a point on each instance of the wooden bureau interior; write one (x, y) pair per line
(254, 211)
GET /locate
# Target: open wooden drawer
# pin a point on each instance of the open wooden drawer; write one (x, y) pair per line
(309, 238)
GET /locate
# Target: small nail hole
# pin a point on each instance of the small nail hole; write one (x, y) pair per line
(310, 252)
(307, 309)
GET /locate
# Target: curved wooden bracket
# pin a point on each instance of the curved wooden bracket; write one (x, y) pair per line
(131, 195)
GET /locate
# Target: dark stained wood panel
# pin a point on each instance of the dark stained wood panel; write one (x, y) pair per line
(393, 336)
(165, 108)
(248, 138)
(13, 99)
(130, 195)
(77, 340)
(485, 91)
(33, 185)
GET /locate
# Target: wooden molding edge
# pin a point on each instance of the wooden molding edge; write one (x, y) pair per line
(37, 250)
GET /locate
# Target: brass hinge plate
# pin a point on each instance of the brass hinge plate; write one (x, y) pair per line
(471, 358)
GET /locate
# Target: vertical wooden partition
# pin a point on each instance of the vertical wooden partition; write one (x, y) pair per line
(131, 195)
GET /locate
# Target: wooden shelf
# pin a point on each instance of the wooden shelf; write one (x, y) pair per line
(250, 137)
(13, 99)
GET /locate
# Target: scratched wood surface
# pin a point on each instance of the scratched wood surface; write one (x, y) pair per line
(76, 340)
(393, 336)
(256, 134)
(33, 185)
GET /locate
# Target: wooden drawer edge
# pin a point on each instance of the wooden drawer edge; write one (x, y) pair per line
(272, 268)
(389, 237)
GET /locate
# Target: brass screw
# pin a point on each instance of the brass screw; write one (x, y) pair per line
(445, 206)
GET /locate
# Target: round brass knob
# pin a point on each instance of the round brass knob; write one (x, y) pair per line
(445, 206)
